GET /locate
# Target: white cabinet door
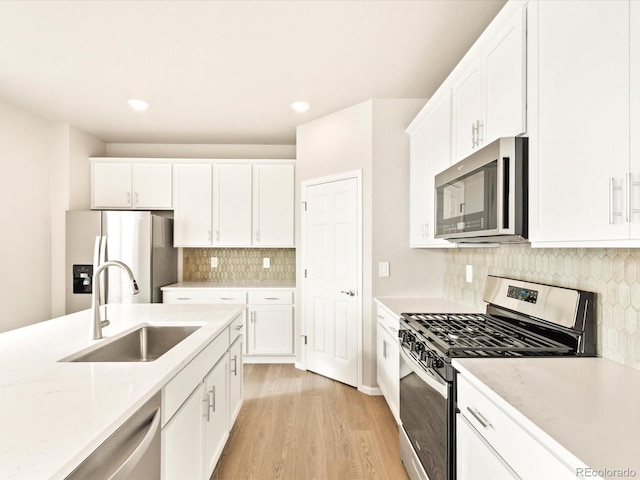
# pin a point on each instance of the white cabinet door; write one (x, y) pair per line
(270, 330)
(273, 205)
(236, 394)
(111, 185)
(505, 80)
(182, 440)
(192, 205)
(430, 154)
(634, 116)
(583, 121)
(388, 364)
(475, 459)
(232, 205)
(152, 185)
(468, 111)
(216, 415)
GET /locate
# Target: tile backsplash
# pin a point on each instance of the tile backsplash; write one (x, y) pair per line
(614, 274)
(238, 264)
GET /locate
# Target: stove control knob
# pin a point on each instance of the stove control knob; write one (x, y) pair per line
(418, 347)
(437, 363)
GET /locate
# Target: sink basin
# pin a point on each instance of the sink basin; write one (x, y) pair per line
(145, 344)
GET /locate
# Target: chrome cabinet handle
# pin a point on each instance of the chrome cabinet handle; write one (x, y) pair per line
(239, 327)
(384, 349)
(610, 200)
(478, 416)
(132, 460)
(272, 298)
(183, 298)
(209, 234)
(207, 407)
(212, 394)
(380, 316)
(351, 292)
(473, 135)
(227, 298)
(218, 235)
(136, 198)
(129, 198)
(253, 317)
(235, 366)
(257, 236)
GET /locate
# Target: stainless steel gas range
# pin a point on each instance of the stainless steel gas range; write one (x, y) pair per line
(521, 319)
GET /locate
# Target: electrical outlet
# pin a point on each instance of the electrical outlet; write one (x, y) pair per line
(214, 262)
(383, 269)
(469, 273)
(266, 262)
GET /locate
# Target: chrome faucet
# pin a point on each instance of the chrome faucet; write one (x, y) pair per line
(98, 323)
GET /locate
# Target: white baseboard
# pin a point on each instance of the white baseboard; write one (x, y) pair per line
(373, 391)
(300, 366)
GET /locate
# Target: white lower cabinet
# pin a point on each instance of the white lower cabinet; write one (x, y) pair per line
(388, 360)
(476, 458)
(182, 442)
(236, 392)
(269, 322)
(492, 445)
(199, 406)
(216, 416)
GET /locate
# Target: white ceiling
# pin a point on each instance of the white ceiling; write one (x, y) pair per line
(224, 71)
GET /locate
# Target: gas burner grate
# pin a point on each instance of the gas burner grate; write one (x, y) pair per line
(461, 334)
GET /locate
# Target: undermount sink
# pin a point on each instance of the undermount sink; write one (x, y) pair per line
(145, 344)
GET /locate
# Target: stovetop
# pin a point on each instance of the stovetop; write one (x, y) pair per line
(471, 335)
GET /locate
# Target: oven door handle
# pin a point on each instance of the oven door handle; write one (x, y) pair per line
(425, 374)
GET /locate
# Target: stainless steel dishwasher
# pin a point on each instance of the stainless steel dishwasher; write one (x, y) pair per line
(131, 452)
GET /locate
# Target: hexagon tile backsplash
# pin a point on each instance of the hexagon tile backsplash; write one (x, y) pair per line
(238, 264)
(614, 274)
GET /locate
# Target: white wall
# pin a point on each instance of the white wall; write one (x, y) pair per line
(25, 216)
(71, 190)
(370, 137)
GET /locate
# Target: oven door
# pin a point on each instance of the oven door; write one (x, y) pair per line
(425, 412)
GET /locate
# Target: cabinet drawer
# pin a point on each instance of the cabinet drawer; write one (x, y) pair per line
(271, 297)
(180, 387)
(204, 296)
(236, 328)
(521, 451)
(389, 321)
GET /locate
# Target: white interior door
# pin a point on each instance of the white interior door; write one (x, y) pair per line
(331, 308)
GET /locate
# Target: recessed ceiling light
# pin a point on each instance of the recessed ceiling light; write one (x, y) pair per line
(137, 104)
(300, 107)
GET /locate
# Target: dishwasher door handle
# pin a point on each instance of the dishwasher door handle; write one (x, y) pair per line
(132, 460)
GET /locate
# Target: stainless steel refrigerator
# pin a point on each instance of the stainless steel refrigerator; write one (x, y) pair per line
(142, 240)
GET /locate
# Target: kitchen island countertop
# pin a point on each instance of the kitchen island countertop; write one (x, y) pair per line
(54, 414)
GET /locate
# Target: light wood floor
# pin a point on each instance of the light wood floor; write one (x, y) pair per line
(302, 426)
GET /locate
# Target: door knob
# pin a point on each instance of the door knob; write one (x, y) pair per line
(351, 293)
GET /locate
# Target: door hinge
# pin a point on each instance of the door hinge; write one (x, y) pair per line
(305, 273)
(305, 339)
(305, 206)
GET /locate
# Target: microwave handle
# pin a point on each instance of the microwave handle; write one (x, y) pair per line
(506, 182)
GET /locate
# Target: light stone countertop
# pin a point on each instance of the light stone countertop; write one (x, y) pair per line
(399, 305)
(54, 414)
(234, 285)
(588, 406)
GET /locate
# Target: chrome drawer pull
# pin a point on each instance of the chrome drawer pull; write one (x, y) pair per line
(183, 298)
(227, 298)
(483, 421)
(272, 298)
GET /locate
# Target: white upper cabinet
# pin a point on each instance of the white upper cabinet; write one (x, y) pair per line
(119, 184)
(468, 111)
(582, 179)
(489, 84)
(273, 205)
(192, 225)
(240, 204)
(634, 117)
(430, 153)
(232, 205)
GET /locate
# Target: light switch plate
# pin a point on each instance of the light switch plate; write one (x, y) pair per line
(383, 269)
(214, 262)
(266, 262)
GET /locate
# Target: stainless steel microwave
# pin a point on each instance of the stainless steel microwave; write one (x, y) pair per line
(484, 198)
